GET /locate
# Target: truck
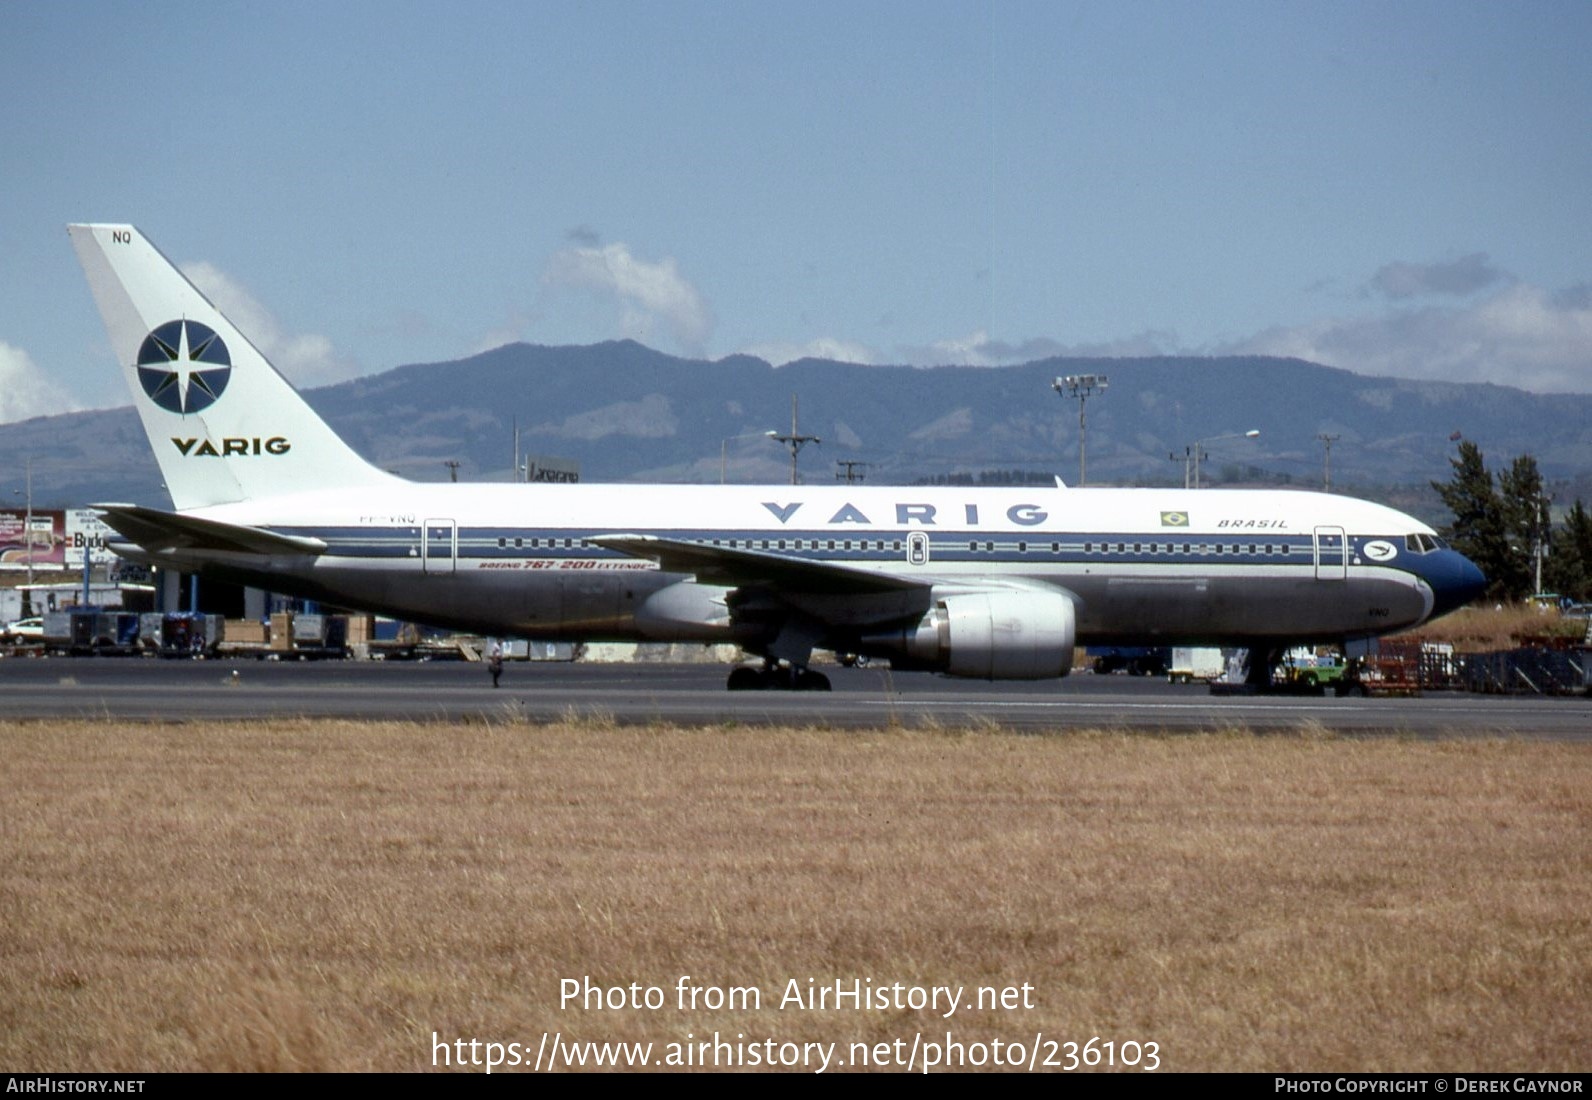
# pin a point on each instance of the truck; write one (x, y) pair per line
(1312, 669)
(1191, 663)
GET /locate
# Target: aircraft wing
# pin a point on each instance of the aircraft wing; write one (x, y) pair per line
(732, 568)
(155, 531)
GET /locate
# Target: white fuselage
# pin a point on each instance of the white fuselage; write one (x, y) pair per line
(1141, 564)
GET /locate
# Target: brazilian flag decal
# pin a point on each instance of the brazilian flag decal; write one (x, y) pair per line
(1174, 519)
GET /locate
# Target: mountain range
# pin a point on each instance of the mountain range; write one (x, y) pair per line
(625, 412)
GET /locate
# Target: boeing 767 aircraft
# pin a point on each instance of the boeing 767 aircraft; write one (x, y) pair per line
(988, 583)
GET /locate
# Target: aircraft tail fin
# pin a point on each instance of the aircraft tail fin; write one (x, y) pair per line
(224, 424)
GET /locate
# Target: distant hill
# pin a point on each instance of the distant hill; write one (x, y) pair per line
(628, 413)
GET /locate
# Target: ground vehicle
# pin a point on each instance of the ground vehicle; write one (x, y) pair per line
(1310, 668)
(1134, 660)
(1190, 663)
(24, 630)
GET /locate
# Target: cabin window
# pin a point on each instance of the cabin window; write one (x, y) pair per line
(1022, 548)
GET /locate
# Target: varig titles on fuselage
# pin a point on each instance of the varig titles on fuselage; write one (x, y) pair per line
(907, 513)
(926, 515)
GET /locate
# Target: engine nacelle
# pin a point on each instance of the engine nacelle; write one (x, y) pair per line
(1025, 635)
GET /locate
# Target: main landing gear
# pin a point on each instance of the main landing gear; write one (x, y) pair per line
(776, 677)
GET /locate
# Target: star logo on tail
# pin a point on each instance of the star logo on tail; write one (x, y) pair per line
(184, 366)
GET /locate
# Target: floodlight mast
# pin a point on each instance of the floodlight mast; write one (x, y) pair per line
(1082, 387)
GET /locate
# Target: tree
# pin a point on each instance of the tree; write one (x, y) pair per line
(1569, 565)
(1527, 523)
(1479, 529)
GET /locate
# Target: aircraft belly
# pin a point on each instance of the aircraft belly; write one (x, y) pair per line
(1239, 609)
(544, 606)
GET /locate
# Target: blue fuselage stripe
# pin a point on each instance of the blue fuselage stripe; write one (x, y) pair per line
(520, 543)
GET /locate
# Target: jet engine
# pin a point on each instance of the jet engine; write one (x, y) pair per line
(1015, 635)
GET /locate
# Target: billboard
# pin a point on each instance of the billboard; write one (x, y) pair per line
(41, 545)
(546, 468)
(85, 531)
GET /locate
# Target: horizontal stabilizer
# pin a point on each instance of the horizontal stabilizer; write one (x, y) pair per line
(721, 565)
(157, 531)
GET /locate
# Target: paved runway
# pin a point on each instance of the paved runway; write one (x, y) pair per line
(133, 688)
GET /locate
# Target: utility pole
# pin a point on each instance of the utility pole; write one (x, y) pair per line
(852, 467)
(1193, 453)
(1539, 545)
(1187, 459)
(795, 441)
(1082, 387)
(1326, 476)
(27, 539)
(453, 465)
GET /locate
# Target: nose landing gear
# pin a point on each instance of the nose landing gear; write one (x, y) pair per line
(774, 676)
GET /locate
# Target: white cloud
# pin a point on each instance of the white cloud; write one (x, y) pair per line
(1521, 336)
(24, 391)
(306, 359)
(647, 293)
(840, 351)
(977, 349)
(1460, 277)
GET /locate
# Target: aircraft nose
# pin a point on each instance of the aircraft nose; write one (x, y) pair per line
(1455, 581)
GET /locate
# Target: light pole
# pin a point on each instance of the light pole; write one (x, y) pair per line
(724, 447)
(795, 440)
(1083, 387)
(27, 542)
(1191, 455)
(1541, 526)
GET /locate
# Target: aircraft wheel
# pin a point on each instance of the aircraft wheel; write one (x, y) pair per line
(747, 679)
(808, 680)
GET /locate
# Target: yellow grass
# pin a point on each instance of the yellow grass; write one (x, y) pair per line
(1482, 629)
(325, 895)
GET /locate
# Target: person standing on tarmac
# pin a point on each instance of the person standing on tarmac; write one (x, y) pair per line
(494, 661)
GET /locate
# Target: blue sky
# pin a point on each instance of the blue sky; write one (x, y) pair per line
(1394, 188)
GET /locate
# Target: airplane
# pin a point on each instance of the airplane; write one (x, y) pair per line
(997, 584)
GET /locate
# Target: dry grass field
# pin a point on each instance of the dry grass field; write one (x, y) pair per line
(1483, 629)
(327, 896)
